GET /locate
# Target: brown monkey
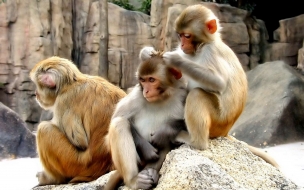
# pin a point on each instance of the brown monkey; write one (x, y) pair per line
(216, 79)
(152, 112)
(71, 146)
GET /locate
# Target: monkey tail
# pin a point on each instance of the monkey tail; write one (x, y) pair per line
(260, 153)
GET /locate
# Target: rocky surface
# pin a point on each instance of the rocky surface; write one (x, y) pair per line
(225, 164)
(275, 106)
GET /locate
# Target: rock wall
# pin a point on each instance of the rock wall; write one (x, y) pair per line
(288, 40)
(31, 31)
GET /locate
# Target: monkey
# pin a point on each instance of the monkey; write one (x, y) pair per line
(146, 122)
(216, 81)
(71, 146)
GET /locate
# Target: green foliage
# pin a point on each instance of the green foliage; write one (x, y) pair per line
(124, 4)
(2, 1)
(145, 6)
(249, 7)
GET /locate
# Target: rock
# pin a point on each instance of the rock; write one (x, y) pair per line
(225, 164)
(290, 30)
(287, 52)
(300, 65)
(275, 106)
(16, 140)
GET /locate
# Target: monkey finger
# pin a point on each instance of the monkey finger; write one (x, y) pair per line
(144, 180)
(154, 174)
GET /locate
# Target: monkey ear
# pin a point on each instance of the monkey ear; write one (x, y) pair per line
(145, 53)
(47, 80)
(176, 73)
(211, 25)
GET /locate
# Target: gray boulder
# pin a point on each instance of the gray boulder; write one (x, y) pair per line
(16, 140)
(275, 106)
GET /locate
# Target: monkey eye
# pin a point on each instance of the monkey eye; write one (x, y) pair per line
(151, 79)
(187, 35)
(141, 79)
(184, 35)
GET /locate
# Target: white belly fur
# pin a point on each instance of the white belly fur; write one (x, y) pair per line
(151, 119)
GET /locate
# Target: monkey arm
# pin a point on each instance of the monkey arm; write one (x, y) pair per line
(73, 127)
(166, 136)
(207, 76)
(131, 104)
(144, 149)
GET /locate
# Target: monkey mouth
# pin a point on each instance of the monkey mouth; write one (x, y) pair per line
(152, 99)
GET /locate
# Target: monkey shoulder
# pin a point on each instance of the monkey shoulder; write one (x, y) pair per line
(131, 104)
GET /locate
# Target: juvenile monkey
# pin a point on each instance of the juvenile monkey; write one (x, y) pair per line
(152, 112)
(216, 79)
(71, 146)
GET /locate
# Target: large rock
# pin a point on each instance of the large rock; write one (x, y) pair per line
(16, 140)
(288, 40)
(129, 31)
(225, 164)
(287, 52)
(300, 65)
(290, 30)
(275, 106)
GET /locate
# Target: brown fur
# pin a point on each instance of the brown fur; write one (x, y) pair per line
(71, 146)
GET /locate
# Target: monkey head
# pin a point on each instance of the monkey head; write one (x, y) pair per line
(195, 26)
(50, 77)
(155, 77)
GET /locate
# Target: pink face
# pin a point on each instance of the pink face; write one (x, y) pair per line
(151, 90)
(187, 44)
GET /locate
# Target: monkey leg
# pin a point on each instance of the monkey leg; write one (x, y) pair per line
(124, 155)
(153, 168)
(60, 159)
(200, 110)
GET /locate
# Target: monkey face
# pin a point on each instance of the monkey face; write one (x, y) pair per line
(187, 43)
(45, 97)
(152, 88)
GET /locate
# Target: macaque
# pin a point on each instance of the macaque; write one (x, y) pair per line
(216, 81)
(151, 114)
(71, 146)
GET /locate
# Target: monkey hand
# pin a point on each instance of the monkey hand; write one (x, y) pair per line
(146, 53)
(172, 58)
(147, 152)
(147, 178)
(162, 138)
(153, 174)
